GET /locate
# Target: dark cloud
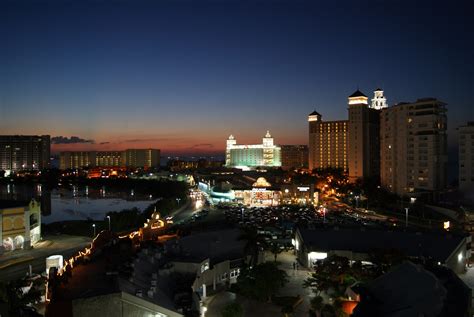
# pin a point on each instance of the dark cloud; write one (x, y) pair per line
(140, 140)
(71, 140)
(201, 145)
(165, 139)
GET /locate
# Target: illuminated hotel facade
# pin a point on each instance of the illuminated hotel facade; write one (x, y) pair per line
(327, 143)
(364, 135)
(266, 154)
(414, 147)
(141, 158)
(77, 159)
(352, 145)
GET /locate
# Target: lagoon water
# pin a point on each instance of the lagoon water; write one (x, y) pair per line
(76, 203)
(82, 208)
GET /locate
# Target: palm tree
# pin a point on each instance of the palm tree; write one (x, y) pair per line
(275, 249)
(253, 242)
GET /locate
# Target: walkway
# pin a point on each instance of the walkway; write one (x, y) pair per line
(296, 279)
(252, 308)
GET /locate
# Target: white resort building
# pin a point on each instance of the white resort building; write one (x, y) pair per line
(246, 156)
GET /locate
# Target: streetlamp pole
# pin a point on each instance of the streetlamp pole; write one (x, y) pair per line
(93, 226)
(108, 217)
(242, 213)
(406, 217)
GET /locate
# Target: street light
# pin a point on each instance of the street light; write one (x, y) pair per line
(178, 200)
(108, 217)
(412, 201)
(406, 217)
(242, 214)
(357, 200)
(93, 226)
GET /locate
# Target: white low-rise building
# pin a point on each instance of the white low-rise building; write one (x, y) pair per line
(20, 224)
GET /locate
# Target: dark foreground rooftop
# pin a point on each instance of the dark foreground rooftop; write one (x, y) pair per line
(438, 246)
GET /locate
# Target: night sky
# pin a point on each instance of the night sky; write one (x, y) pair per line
(182, 75)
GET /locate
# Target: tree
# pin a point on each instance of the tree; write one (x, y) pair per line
(328, 311)
(261, 281)
(253, 242)
(232, 310)
(275, 250)
(12, 294)
(334, 274)
(384, 259)
(317, 304)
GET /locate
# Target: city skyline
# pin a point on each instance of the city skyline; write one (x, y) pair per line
(182, 77)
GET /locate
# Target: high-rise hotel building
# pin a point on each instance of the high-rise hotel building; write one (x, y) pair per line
(352, 145)
(327, 143)
(77, 159)
(24, 152)
(141, 158)
(254, 155)
(147, 158)
(364, 135)
(294, 156)
(414, 146)
(466, 159)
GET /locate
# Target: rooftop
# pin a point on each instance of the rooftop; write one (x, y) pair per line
(314, 113)
(357, 93)
(217, 245)
(6, 204)
(407, 290)
(428, 244)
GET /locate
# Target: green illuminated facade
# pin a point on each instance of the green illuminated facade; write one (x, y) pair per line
(265, 154)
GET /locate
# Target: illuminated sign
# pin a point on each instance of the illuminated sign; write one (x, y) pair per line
(303, 188)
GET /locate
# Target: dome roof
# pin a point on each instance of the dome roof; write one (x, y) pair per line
(261, 183)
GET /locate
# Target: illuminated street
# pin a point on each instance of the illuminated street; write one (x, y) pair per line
(16, 263)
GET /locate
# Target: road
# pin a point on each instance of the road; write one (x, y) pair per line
(192, 206)
(15, 264)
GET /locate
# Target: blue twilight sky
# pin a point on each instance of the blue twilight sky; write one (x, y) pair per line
(183, 75)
